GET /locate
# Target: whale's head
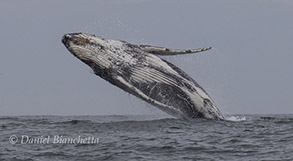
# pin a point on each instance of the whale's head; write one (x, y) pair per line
(93, 50)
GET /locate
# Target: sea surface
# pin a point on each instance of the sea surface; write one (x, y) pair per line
(139, 137)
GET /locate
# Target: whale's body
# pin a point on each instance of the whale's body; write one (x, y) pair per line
(136, 69)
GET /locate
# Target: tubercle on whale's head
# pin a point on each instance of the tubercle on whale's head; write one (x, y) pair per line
(74, 38)
(88, 48)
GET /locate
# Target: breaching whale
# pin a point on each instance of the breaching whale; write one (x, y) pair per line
(139, 71)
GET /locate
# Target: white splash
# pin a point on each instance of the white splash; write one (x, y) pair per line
(235, 118)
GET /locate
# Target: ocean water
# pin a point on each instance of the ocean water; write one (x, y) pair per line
(86, 138)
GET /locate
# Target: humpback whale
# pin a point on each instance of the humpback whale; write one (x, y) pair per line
(138, 70)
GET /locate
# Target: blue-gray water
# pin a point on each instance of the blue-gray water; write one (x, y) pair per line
(258, 137)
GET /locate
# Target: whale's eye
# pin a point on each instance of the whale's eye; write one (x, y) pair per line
(79, 41)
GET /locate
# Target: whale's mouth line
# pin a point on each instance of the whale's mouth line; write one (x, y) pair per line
(138, 70)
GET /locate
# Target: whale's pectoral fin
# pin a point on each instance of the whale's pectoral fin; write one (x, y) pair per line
(165, 51)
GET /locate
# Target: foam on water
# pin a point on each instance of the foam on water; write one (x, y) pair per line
(235, 118)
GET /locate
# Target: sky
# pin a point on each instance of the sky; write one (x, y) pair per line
(248, 71)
